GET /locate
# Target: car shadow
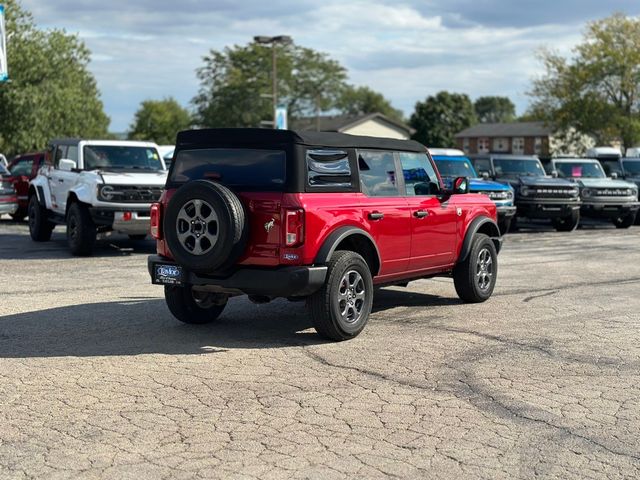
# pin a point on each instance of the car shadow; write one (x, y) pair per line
(142, 325)
(15, 246)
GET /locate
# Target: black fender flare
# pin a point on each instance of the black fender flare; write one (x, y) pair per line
(336, 237)
(38, 191)
(474, 227)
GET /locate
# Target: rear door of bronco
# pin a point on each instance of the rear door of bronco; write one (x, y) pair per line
(385, 209)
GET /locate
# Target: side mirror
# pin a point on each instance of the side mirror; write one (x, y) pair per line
(67, 165)
(460, 186)
(554, 173)
(485, 175)
(614, 175)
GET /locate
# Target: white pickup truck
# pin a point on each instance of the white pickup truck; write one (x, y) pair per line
(94, 187)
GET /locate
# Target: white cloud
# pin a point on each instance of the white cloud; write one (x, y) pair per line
(406, 50)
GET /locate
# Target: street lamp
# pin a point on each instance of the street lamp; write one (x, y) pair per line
(273, 41)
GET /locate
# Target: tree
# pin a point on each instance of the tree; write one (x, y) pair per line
(440, 117)
(159, 121)
(235, 84)
(597, 92)
(494, 109)
(51, 92)
(363, 100)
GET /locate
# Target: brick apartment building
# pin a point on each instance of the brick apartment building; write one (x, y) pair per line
(523, 138)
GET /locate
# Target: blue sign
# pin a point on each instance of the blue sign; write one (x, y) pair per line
(4, 70)
(281, 118)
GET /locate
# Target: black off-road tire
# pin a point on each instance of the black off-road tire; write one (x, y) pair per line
(81, 231)
(187, 309)
(138, 237)
(465, 275)
(232, 227)
(567, 224)
(325, 304)
(40, 228)
(626, 221)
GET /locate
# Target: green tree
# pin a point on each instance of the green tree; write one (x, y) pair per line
(235, 84)
(495, 109)
(362, 100)
(159, 121)
(597, 92)
(440, 117)
(51, 92)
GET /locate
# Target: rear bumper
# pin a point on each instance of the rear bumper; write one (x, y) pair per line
(277, 282)
(539, 208)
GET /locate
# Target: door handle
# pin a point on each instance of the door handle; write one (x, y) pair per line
(61, 180)
(420, 214)
(376, 216)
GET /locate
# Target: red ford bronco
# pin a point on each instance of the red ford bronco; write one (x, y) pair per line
(324, 217)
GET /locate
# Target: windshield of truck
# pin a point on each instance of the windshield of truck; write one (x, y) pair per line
(632, 167)
(238, 168)
(112, 157)
(579, 170)
(518, 167)
(458, 167)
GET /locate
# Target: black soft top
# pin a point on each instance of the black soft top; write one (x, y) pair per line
(214, 137)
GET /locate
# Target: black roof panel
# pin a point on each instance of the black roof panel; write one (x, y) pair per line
(261, 136)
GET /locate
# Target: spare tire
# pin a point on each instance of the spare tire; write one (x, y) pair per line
(205, 227)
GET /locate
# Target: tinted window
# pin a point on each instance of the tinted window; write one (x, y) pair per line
(454, 168)
(328, 168)
(239, 168)
(59, 155)
(611, 166)
(482, 165)
(518, 166)
(22, 167)
(579, 170)
(632, 167)
(420, 177)
(116, 157)
(378, 174)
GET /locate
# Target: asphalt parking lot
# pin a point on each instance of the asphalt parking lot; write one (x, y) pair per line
(97, 380)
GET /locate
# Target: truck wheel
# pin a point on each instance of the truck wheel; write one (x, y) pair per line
(205, 227)
(138, 238)
(340, 309)
(475, 277)
(194, 307)
(81, 231)
(626, 221)
(40, 228)
(567, 224)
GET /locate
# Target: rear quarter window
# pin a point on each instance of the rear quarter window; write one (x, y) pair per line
(250, 169)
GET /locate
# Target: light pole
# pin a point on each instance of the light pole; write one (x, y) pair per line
(273, 41)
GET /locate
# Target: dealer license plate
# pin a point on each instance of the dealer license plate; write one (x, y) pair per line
(167, 274)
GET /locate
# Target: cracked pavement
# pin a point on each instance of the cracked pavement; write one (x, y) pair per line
(97, 380)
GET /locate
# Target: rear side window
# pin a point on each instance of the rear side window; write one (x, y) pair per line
(239, 168)
(328, 168)
(378, 173)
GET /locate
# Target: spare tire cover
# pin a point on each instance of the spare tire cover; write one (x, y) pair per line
(205, 227)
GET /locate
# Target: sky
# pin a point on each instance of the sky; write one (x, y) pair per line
(150, 49)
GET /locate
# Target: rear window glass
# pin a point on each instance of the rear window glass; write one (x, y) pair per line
(239, 168)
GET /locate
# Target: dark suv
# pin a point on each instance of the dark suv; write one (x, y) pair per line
(321, 217)
(538, 196)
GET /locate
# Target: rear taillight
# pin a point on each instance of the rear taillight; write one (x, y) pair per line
(156, 215)
(294, 227)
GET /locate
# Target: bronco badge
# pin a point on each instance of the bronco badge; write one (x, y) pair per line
(269, 225)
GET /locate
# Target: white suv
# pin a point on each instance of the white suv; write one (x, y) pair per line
(93, 187)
